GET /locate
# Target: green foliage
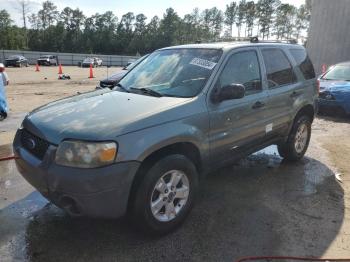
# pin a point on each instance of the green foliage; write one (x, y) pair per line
(266, 10)
(284, 21)
(69, 30)
(230, 15)
(10, 36)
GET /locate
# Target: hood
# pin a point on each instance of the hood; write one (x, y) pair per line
(329, 85)
(114, 78)
(340, 91)
(103, 115)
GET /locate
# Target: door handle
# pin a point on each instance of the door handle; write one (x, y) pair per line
(258, 104)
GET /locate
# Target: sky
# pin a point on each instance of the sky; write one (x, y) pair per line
(148, 7)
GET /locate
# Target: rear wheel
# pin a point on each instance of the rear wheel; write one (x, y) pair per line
(298, 141)
(166, 194)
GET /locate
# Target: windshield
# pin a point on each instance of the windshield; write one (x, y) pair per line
(338, 72)
(135, 63)
(14, 57)
(88, 60)
(173, 72)
(45, 56)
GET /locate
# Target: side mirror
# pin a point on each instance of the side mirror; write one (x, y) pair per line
(233, 91)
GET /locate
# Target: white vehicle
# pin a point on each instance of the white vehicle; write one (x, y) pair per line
(94, 61)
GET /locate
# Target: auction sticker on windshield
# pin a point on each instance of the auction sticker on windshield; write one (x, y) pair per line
(203, 63)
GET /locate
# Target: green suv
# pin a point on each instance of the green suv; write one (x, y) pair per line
(141, 148)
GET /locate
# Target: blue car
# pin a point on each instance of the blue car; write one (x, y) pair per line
(334, 93)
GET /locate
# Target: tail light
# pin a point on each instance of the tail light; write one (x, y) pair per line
(318, 86)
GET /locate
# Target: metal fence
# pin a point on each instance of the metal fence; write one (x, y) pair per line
(69, 58)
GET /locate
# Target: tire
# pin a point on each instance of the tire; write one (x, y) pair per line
(293, 150)
(158, 222)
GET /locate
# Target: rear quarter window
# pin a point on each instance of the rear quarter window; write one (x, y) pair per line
(303, 62)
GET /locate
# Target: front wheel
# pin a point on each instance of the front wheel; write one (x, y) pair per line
(166, 194)
(298, 141)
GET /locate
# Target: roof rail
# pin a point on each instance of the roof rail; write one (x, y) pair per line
(255, 39)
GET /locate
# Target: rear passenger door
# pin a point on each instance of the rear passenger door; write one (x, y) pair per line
(283, 89)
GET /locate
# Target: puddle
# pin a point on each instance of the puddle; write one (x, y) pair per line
(270, 150)
(268, 157)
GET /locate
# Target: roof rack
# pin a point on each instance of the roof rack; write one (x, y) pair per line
(255, 39)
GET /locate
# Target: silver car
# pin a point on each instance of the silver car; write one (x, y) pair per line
(94, 61)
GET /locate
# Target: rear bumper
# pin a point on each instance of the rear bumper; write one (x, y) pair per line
(98, 192)
(12, 63)
(43, 62)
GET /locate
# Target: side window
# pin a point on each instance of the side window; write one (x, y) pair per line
(304, 63)
(242, 68)
(278, 68)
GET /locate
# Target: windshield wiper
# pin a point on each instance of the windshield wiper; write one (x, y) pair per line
(122, 87)
(147, 91)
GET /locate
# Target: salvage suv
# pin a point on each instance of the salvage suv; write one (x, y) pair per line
(142, 148)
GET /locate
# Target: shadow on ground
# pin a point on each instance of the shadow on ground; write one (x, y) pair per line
(260, 206)
(338, 117)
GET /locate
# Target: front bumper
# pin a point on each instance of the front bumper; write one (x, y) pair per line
(97, 192)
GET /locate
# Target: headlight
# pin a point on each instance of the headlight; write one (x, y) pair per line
(86, 154)
(326, 95)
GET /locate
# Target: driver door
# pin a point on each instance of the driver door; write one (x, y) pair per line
(237, 123)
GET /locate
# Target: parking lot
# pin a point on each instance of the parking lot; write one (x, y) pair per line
(260, 206)
(29, 89)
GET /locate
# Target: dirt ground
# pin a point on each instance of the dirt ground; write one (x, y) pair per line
(261, 206)
(29, 89)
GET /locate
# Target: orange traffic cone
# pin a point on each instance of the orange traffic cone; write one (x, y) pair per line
(60, 72)
(91, 72)
(37, 69)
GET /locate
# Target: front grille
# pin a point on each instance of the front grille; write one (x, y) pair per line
(34, 144)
